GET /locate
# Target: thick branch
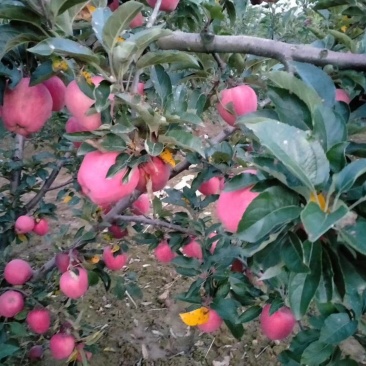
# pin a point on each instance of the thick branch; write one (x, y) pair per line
(18, 156)
(47, 184)
(263, 47)
(154, 222)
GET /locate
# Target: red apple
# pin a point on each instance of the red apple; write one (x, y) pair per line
(166, 5)
(140, 88)
(214, 322)
(17, 272)
(154, 172)
(62, 345)
(74, 283)
(212, 186)
(237, 266)
(117, 232)
(142, 205)
(103, 191)
(57, 89)
(241, 100)
(279, 325)
(11, 303)
(35, 353)
(26, 108)
(114, 261)
(137, 21)
(41, 227)
(193, 250)
(164, 253)
(24, 224)
(72, 125)
(114, 5)
(342, 96)
(39, 320)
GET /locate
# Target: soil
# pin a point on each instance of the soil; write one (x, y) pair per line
(148, 331)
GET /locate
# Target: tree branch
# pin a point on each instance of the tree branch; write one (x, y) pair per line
(47, 184)
(154, 14)
(263, 47)
(154, 222)
(18, 156)
(61, 185)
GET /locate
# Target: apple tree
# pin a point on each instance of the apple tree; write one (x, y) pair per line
(119, 96)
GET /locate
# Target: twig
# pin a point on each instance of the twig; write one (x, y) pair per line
(154, 222)
(18, 156)
(131, 299)
(154, 14)
(47, 184)
(71, 180)
(209, 348)
(192, 42)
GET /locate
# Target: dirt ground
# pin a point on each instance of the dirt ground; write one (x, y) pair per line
(148, 331)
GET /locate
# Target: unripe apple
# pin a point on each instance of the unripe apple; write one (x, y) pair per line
(231, 206)
(57, 89)
(193, 250)
(137, 21)
(163, 252)
(114, 261)
(140, 88)
(26, 108)
(214, 322)
(142, 205)
(62, 345)
(17, 272)
(11, 303)
(279, 325)
(342, 96)
(155, 171)
(117, 232)
(241, 100)
(101, 190)
(35, 353)
(79, 104)
(41, 227)
(166, 5)
(88, 355)
(24, 224)
(212, 186)
(74, 283)
(39, 320)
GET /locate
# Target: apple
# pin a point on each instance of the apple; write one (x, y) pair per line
(114, 4)
(279, 325)
(57, 89)
(214, 322)
(17, 272)
(103, 191)
(137, 21)
(41, 227)
(214, 244)
(142, 205)
(117, 232)
(166, 5)
(24, 224)
(39, 320)
(237, 266)
(11, 303)
(342, 96)
(193, 250)
(154, 172)
(72, 125)
(212, 186)
(26, 108)
(241, 100)
(140, 88)
(74, 283)
(63, 262)
(35, 353)
(62, 345)
(163, 252)
(114, 261)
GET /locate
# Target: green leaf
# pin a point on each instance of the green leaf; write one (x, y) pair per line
(237, 330)
(120, 164)
(337, 156)
(302, 286)
(226, 308)
(18, 329)
(20, 13)
(267, 212)
(316, 353)
(317, 79)
(240, 181)
(317, 222)
(179, 58)
(284, 80)
(346, 178)
(7, 350)
(250, 314)
(99, 19)
(64, 47)
(93, 278)
(119, 21)
(303, 157)
(154, 148)
(112, 142)
(60, 6)
(344, 39)
(337, 328)
(354, 234)
(161, 82)
(292, 254)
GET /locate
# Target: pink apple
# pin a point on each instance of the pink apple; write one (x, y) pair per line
(41, 227)
(193, 250)
(212, 186)
(62, 345)
(24, 224)
(39, 320)
(11, 303)
(342, 96)
(17, 272)
(164, 253)
(214, 322)
(57, 89)
(114, 261)
(142, 205)
(74, 283)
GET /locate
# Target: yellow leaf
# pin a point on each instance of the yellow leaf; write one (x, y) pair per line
(73, 356)
(195, 317)
(59, 65)
(88, 77)
(168, 157)
(67, 199)
(120, 39)
(344, 29)
(319, 199)
(115, 248)
(22, 237)
(94, 260)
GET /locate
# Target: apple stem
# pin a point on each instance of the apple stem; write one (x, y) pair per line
(154, 14)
